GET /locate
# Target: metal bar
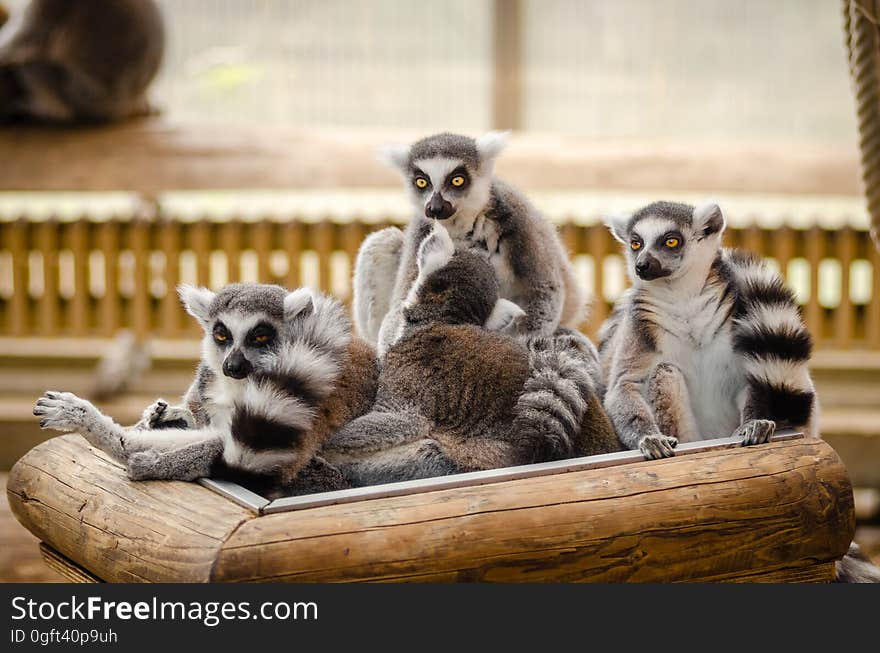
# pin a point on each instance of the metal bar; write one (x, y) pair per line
(235, 493)
(471, 479)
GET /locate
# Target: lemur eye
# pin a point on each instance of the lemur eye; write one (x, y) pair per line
(458, 180)
(672, 242)
(219, 336)
(635, 245)
(262, 338)
(421, 182)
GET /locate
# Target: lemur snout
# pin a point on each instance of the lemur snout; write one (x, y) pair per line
(650, 268)
(438, 208)
(236, 365)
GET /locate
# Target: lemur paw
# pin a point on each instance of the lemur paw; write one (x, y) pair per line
(64, 411)
(142, 465)
(755, 431)
(657, 446)
(159, 415)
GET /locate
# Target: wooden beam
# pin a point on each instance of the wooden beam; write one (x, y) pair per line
(507, 58)
(152, 156)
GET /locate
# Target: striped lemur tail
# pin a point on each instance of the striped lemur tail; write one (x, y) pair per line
(560, 414)
(770, 335)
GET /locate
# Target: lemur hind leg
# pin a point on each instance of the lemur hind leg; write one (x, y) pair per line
(670, 403)
(375, 271)
(186, 463)
(377, 431)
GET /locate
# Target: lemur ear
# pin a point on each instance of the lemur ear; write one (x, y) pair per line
(503, 316)
(300, 302)
(435, 251)
(708, 219)
(196, 301)
(395, 156)
(490, 144)
(618, 224)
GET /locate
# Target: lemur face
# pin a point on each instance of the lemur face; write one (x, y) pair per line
(244, 325)
(665, 239)
(447, 175)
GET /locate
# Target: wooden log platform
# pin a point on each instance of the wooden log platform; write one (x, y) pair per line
(777, 512)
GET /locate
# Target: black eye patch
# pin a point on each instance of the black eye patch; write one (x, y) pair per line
(670, 241)
(458, 178)
(420, 180)
(261, 335)
(221, 334)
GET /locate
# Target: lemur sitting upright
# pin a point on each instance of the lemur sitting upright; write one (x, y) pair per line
(708, 342)
(450, 178)
(456, 393)
(279, 372)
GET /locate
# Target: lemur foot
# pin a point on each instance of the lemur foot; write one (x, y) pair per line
(159, 415)
(657, 446)
(144, 465)
(755, 431)
(64, 411)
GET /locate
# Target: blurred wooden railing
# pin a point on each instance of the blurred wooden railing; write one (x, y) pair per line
(85, 278)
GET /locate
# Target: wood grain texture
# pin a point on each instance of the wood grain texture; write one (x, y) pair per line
(154, 155)
(84, 507)
(712, 516)
(69, 570)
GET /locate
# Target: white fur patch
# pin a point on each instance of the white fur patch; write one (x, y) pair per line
(504, 315)
(491, 144)
(791, 374)
(267, 401)
(196, 301)
(298, 301)
(301, 360)
(780, 318)
(394, 156)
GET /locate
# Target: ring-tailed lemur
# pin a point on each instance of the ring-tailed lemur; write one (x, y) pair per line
(450, 178)
(458, 393)
(87, 60)
(279, 372)
(708, 342)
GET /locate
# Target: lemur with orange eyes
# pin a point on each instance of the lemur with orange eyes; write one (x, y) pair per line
(449, 178)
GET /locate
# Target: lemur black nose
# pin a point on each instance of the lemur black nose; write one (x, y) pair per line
(649, 268)
(438, 208)
(236, 365)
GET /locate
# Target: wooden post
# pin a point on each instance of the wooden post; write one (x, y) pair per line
(80, 307)
(507, 48)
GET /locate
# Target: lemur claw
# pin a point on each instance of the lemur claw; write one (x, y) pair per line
(755, 431)
(657, 446)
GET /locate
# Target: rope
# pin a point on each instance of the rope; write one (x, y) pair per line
(863, 47)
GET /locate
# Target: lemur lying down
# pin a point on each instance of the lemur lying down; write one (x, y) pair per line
(279, 372)
(458, 394)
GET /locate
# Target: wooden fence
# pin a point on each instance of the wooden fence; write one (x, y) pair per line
(89, 278)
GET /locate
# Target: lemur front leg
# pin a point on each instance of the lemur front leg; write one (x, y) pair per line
(630, 413)
(754, 429)
(377, 431)
(64, 411)
(161, 415)
(670, 402)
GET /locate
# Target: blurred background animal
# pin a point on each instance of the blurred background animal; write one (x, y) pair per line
(79, 61)
(279, 372)
(450, 178)
(460, 392)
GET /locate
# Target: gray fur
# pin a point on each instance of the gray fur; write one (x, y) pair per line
(493, 399)
(88, 60)
(692, 350)
(269, 422)
(529, 259)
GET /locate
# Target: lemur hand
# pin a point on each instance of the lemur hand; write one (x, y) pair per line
(657, 446)
(755, 431)
(159, 415)
(64, 411)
